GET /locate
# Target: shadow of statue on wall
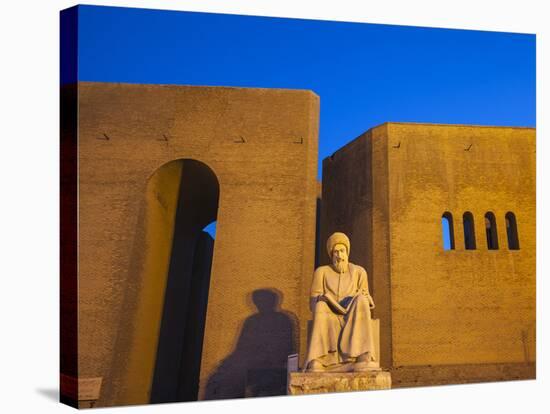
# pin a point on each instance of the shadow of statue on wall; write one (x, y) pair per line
(257, 366)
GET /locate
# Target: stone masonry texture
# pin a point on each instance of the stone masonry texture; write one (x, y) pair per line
(317, 383)
(447, 316)
(261, 145)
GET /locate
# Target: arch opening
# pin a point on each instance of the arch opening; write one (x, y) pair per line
(512, 231)
(469, 231)
(491, 231)
(179, 349)
(448, 231)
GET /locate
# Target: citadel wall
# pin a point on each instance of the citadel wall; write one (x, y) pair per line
(261, 146)
(446, 315)
(144, 153)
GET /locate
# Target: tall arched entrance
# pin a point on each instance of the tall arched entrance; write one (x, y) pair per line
(141, 297)
(178, 355)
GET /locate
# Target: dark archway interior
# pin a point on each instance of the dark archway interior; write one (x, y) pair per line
(491, 231)
(512, 231)
(177, 367)
(469, 231)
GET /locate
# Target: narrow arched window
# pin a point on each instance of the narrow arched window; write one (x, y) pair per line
(448, 231)
(491, 231)
(512, 231)
(469, 231)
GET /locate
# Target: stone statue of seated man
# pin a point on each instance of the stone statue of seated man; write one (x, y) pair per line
(342, 333)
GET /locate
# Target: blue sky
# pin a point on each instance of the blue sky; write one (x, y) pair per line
(365, 74)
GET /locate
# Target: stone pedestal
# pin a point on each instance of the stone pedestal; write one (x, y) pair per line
(320, 382)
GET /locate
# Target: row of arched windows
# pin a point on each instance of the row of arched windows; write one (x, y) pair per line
(470, 235)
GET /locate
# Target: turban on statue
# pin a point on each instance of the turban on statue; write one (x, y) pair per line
(337, 238)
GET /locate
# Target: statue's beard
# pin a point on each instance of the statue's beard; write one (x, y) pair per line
(340, 265)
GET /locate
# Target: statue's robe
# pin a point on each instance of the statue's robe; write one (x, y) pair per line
(336, 338)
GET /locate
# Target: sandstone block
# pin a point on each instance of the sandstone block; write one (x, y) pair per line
(321, 382)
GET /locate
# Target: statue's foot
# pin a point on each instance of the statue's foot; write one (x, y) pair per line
(366, 363)
(366, 357)
(315, 366)
(366, 366)
(343, 367)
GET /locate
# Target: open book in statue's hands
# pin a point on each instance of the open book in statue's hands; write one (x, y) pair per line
(343, 306)
(336, 306)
